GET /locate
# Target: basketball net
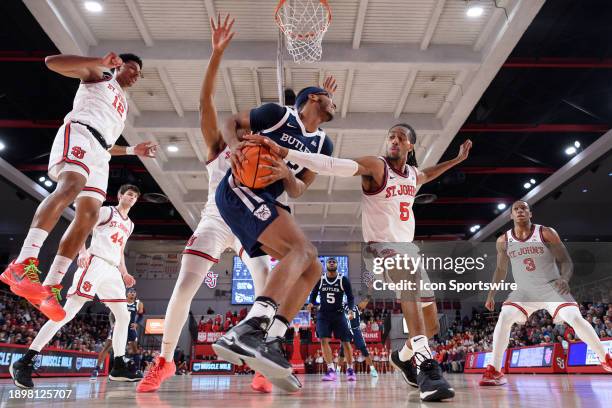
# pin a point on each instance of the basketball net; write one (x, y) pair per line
(304, 23)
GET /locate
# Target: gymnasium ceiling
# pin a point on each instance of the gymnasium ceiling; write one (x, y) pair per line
(522, 82)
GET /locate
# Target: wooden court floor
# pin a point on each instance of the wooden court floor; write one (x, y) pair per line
(542, 391)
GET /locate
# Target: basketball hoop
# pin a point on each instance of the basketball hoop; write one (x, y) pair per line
(304, 23)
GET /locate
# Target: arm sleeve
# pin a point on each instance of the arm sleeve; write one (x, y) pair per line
(314, 293)
(348, 290)
(322, 164)
(266, 116)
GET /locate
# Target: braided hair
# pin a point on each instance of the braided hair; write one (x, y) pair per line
(411, 159)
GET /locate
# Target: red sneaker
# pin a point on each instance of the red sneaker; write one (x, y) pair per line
(158, 373)
(261, 384)
(23, 279)
(492, 377)
(50, 305)
(607, 365)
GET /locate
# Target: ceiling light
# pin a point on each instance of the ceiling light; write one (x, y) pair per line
(93, 6)
(172, 148)
(610, 174)
(501, 206)
(570, 150)
(577, 144)
(584, 190)
(474, 11)
(2, 146)
(474, 228)
(48, 183)
(527, 185)
(532, 181)
(41, 179)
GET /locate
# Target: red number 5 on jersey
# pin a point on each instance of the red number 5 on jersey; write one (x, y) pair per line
(404, 211)
(117, 239)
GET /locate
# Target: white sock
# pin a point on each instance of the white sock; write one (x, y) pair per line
(571, 315)
(192, 273)
(420, 346)
(278, 328)
(49, 329)
(33, 242)
(405, 353)
(58, 269)
(263, 306)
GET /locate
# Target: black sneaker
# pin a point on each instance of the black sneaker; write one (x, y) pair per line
(407, 368)
(21, 373)
(245, 344)
(432, 385)
(120, 372)
(288, 383)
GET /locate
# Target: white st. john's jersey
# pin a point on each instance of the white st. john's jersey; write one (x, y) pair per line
(110, 235)
(102, 105)
(217, 168)
(533, 263)
(386, 214)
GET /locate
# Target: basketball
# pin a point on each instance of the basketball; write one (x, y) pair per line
(249, 171)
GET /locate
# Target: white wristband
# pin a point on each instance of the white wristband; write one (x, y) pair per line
(130, 150)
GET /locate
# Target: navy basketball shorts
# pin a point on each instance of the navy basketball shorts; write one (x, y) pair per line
(336, 323)
(132, 335)
(360, 343)
(246, 211)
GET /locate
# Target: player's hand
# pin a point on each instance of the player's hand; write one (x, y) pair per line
(83, 259)
(274, 147)
(221, 34)
(277, 167)
(237, 157)
(464, 150)
(129, 280)
(330, 85)
(562, 286)
(146, 149)
(112, 60)
(133, 326)
(490, 304)
(351, 316)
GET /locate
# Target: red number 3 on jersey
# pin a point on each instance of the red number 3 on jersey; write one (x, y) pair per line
(117, 239)
(404, 211)
(529, 264)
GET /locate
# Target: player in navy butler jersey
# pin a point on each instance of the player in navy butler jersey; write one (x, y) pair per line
(263, 225)
(136, 309)
(358, 339)
(331, 319)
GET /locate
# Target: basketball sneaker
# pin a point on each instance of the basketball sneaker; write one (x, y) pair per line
(330, 376)
(23, 279)
(21, 373)
(289, 384)
(432, 385)
(94, 375)
(261, 384)
(157, 374)
(246, 343)
(492, 377)
(607, 365)
(373, 372)
(120, 372)
(49, 305)
(407, 368)
(350, 374)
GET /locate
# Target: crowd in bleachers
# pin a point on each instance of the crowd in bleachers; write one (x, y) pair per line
(476, 333)
(20, 322)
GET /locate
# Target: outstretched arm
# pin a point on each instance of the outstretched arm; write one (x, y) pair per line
(221, 37)
(144, 149)
(501, 270)
(85, 68)
(433, 172)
